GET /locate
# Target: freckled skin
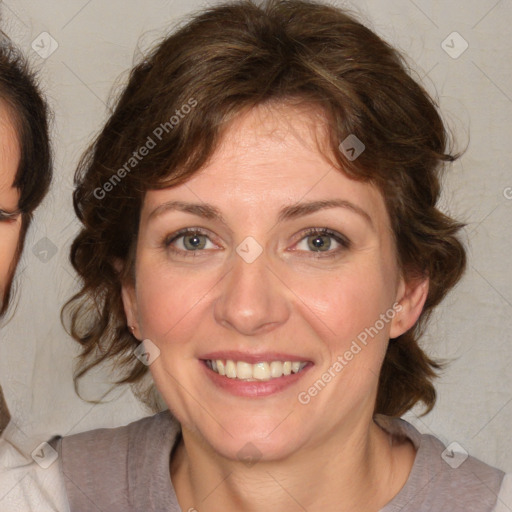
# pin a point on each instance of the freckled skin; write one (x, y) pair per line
(291, 299)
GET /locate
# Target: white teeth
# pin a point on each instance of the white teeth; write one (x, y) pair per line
(230, 369)
(243, 370)
(276, 369)
(259, 371)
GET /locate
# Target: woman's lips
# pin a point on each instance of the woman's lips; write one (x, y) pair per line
(263, 378)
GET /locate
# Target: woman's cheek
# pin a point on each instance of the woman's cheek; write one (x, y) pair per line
(165, 299)
(345, 302)
(9, 235)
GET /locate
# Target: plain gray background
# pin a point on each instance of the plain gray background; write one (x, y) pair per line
(97, 43)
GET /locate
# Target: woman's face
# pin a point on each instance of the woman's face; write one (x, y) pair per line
(268, 255)
(9, 197)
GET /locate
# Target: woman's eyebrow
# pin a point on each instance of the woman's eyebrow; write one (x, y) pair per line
(301, 209)
(209, 211)
(200, 209)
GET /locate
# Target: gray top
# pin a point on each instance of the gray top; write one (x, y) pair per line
(126, 469)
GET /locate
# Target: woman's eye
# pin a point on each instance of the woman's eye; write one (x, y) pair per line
(8, 216)
(189, 241)
(322, 240)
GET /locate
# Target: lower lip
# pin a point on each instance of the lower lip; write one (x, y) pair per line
(254, 389)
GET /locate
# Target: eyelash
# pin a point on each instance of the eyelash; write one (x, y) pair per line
(168, 241)
(342, 240)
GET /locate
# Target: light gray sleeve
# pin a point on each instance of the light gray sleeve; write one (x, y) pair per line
(25, 486)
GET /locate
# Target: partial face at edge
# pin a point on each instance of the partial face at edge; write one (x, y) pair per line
(325, 274)
(9, 197)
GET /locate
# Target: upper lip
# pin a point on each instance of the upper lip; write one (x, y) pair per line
(253, 357)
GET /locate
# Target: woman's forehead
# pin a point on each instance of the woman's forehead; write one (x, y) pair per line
(283, 123)
(269, 160)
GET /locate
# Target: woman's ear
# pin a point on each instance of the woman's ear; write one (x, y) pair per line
(130, 308)
(410, 299)
(129, 298)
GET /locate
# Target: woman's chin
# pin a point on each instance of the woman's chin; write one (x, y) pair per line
(250, 439)
(252, 449)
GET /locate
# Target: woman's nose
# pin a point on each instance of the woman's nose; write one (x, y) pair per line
(252, 300)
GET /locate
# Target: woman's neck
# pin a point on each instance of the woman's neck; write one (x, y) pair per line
(363, 471)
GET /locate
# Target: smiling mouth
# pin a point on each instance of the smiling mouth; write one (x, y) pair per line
(262, 371)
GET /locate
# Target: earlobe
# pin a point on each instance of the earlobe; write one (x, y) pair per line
(130, 308)
(411, 298)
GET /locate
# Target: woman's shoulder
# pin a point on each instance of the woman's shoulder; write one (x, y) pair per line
(444, 477)
(112, 465)
(145, 430)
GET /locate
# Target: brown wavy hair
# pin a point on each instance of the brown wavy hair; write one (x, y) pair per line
(21, 93)
(223, 61)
